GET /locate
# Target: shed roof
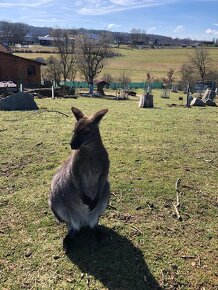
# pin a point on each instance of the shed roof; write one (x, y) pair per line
(19, 57)
(5, 47)
(50, 38)
(100, 82)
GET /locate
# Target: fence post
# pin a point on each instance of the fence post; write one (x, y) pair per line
(52, 92)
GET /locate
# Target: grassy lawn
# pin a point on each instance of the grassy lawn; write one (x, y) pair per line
(155, 61)
(145, 246)
(139, 62)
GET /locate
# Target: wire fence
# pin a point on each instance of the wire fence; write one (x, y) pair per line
(114, 86)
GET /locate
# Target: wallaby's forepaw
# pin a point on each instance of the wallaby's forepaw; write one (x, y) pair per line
(93, 204)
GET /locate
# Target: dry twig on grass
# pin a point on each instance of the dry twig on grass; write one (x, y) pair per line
(54, 111)
(110, 206)
(187, 257)
(177, 205)
(137, 229)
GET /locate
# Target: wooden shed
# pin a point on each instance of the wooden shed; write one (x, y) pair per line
(19, 69)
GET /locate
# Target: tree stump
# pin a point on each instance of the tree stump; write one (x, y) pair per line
(146, 101)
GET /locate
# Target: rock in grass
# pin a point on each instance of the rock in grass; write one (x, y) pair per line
(28, 253)
(210, 102)
(197, 102)
(18, 102)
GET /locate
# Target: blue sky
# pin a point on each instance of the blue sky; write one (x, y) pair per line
(196, 19)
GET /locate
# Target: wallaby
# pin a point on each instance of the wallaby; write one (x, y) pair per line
(80, 189)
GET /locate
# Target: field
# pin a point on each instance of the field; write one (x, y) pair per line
(139, 62)
(145, 245)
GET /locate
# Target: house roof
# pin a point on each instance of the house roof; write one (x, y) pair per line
(19, 57)
(49, 38)
(3, 46)
(100, 82)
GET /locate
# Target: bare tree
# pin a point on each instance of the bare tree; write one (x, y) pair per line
(120, 38)
(212, 75)
(65, 44)
(200, 60)
(107, 77)
(91, 54)
(169, 79)
(7, 32)
(14, 32)
(124, 79)
(188, 75)
(149, 78)
(138, 35)
(52, 71)
(20, 30)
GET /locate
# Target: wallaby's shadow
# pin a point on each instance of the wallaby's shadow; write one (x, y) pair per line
(113, 260)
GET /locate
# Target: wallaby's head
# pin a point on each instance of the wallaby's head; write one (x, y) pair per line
(86, 129)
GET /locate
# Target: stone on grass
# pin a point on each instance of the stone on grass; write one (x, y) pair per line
(197, 102)
(18, 102)
(209, 94)
(210, 102)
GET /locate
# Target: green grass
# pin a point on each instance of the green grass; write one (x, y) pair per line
(149, 150)
(155, 61)
(139, 62)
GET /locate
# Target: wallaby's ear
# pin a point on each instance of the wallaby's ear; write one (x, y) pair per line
(99, 115)
(77, 113)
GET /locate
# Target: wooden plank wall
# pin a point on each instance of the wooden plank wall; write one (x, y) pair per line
(16, 69)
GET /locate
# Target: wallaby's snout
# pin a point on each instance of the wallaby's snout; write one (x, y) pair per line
(80, 137)
(75, 142)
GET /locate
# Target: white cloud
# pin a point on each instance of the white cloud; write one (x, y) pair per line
(101, 7)
(216, 24)
(178, 28)
(211, 31)
(151, 29)
(113, 25)
(23, 3)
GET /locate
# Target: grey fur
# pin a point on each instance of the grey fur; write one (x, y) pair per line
(80, 189)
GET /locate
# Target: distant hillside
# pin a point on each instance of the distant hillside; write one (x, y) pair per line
(39, 31)
(119, 37)
(124, 37)
(33, 29)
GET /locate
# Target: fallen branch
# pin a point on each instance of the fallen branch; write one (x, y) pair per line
(112, 207)
(54, 111)
(177, 212)
(199, 260)
(177, 191)
(177, 205)
(187, 257)
(136, 229)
